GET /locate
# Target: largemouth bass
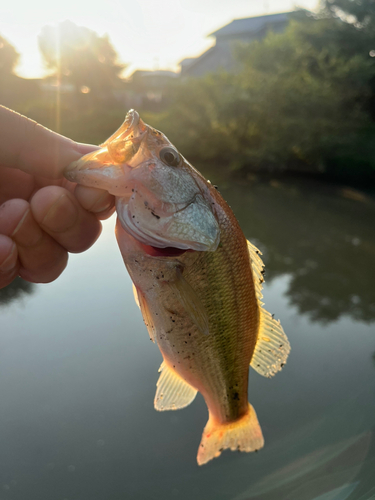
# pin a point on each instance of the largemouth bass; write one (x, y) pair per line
(196, 279)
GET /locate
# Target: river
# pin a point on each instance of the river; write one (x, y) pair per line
(78, 372)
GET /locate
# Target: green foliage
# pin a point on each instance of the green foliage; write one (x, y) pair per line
(301, 102)
(304, 99)
(363, 11)
(91, 124)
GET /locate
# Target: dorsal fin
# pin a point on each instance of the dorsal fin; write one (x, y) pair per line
(142, 304)
(272, 347)
(172, 391)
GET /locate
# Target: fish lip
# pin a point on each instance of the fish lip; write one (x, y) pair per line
(134, 118)
(72, 170)
(113, 168)
(97, 169)
(121, 131)
(84, 164)
(132, 130)
(88, 160)
(134, 115)
(116, 178)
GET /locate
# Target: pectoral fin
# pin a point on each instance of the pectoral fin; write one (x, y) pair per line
(172, 391)
(191, 302)
(147, 318)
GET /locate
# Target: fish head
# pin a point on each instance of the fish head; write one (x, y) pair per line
(161, 200)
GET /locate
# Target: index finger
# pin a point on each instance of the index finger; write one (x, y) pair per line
(34, 149)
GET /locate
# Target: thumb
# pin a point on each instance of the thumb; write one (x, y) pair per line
(34, 149)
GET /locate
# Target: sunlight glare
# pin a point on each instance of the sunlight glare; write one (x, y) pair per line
(145, 33)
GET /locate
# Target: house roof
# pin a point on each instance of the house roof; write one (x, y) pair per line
(190, 61)
(187, 61)
(159, 72)
(250, 24)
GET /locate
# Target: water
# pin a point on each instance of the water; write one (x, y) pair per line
(78, 373)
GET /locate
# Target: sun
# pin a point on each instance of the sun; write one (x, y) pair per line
(146, 34)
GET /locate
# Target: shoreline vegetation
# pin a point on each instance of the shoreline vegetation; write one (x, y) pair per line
(301, 102)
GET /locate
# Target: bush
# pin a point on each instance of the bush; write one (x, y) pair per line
(301, 102)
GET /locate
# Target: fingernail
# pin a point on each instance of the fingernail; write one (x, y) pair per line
(61, 216)
(9, 263)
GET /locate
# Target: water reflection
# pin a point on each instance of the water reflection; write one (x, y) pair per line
(329, 470)
(78, 373)
(320, 462)
(16, 290)
(320, 236)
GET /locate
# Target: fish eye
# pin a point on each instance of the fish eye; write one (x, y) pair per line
(169, 156)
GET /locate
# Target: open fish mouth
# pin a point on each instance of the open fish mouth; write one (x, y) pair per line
(163, 252)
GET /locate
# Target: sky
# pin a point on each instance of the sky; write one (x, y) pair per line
(147, 34)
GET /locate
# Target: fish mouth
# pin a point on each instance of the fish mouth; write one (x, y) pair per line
(160, 206)
(133, 126)
(110, 167)
(163, 252)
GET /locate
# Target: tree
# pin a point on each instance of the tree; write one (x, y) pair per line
(359, 12)
(8, 57)
(315, 84)
(80, 56)
(14, 90)
(301, 102)
(360, 16)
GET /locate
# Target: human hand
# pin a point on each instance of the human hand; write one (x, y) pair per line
(42, 215)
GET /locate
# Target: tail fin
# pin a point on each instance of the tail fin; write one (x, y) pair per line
(244, 434)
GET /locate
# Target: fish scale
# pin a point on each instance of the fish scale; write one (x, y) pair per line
(224, 355)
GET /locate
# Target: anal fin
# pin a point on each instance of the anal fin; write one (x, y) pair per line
(136, 298)
(172, 391)
(147, 318)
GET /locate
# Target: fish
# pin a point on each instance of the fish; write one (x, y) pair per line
(196, 279)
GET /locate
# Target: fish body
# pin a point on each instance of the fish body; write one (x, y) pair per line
(196, 280)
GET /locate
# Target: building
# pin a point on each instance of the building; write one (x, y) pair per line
(220, 56)
(148, 90)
